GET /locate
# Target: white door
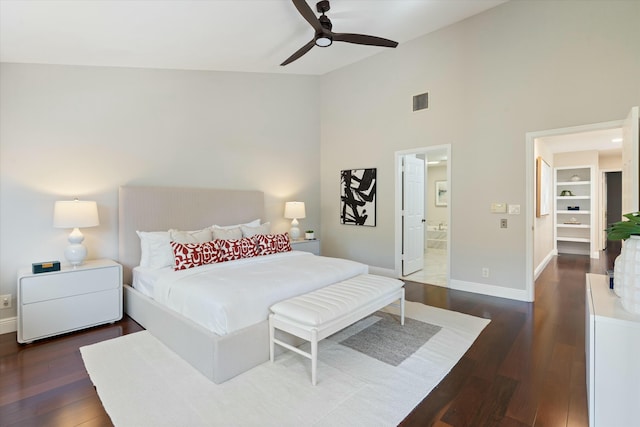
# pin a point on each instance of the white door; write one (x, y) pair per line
(413, 215)
(630, 160)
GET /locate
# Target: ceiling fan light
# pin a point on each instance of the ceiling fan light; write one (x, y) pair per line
(323, 40)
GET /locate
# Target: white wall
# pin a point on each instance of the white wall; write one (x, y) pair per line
(84, 131)
(521, 67)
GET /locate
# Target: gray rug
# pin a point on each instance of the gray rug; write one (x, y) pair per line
(386, 339)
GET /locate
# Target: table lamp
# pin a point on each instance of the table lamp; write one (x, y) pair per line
(293, 211)
(75, 214)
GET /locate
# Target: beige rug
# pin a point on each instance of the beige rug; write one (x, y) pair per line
(143, 383)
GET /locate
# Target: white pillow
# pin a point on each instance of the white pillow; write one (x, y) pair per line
(155, 249)
(254, 223)
(227, 233)
(248, 231)
(196, 236)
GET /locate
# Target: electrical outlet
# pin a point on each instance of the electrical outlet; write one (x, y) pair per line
(5, 301)
(485, 272)
(503, 223)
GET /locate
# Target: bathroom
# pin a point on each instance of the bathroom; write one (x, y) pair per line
(436, 222)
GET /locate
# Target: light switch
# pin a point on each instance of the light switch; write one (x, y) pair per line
(514, 209)
(498, 207)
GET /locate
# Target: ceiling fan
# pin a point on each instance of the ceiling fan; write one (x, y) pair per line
(324, 37)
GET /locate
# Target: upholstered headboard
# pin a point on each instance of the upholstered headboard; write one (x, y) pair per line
(162, 208)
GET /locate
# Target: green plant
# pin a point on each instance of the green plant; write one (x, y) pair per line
(309, 231)
(621, 230)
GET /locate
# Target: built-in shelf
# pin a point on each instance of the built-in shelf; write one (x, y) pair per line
(574, 212)
(574, 238)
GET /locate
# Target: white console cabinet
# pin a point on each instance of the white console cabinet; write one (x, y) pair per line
(612, 357)
(67, 300)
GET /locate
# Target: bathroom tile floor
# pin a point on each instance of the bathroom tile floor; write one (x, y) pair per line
(435, 268)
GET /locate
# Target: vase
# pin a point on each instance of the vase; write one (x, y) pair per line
(626, 275)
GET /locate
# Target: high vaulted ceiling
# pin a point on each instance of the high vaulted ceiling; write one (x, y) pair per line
(225, 35)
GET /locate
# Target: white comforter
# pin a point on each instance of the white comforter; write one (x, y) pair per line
(230, 296)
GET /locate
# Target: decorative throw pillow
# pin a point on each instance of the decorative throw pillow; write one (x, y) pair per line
(155, 249)
(196, 236)
(227, 233)
(189, 255)
(273, 243)
(248, 231)
(232, 249)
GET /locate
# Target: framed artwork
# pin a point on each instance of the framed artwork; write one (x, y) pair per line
(543, 187)
(442, 194)
(358, 197)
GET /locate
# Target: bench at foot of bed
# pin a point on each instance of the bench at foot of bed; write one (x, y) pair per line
(319, 314)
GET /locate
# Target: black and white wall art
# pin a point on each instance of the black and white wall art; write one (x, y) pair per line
(358, 197)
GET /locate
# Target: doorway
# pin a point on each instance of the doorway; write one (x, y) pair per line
(423, 231)
(612, 198)
(535, 261)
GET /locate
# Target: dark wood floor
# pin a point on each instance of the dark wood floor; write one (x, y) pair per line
(527, 368)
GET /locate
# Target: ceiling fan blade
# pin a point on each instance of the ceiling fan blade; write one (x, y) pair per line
(307, 13)
(364, 39)
(304, 49)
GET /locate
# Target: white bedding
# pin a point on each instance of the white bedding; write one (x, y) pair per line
(229, 296)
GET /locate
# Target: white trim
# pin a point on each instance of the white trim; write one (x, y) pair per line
(491, 290)
(8, 325)
(530, 137)
(544, 263)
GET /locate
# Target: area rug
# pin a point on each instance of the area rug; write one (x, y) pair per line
(370, 374)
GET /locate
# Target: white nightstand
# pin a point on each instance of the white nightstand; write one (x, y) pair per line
(67, 300)
(312, 246)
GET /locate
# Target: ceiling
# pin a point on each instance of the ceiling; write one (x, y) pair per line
(224, 35)
(605, 141)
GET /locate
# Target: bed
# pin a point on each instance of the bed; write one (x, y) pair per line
(219, 349)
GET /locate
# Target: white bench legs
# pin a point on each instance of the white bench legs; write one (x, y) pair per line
(319, 314)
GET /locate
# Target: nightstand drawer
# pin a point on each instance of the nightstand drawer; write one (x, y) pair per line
(68, 283)
(57, 316)
(312, 246)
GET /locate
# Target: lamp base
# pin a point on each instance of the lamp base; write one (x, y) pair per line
(294, 233)
(75, 253)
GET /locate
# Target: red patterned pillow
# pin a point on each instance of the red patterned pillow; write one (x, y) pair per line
(232, 249)
(188, 255)
(272, 243)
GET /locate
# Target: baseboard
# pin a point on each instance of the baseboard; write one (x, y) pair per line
(544, 263)
(8, 325)
(491, 290)
(386, 272)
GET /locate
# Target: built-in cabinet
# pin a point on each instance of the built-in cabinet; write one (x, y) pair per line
(574, 210)
(612, 344)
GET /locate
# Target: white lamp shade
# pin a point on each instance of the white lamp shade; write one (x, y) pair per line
(294, 210)
(75, 214)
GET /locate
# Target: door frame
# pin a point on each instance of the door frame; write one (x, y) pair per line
(530, 137)
(398, 203)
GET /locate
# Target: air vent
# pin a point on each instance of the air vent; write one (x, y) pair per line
(421, 102)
